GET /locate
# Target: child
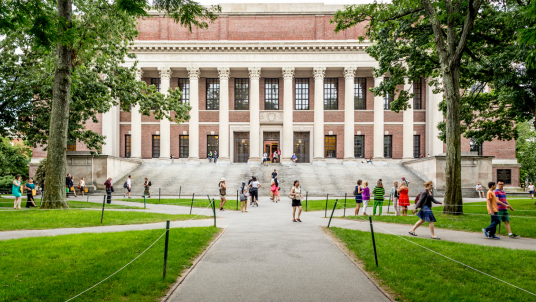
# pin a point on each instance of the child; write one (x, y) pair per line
(366, 197)
(378, 192)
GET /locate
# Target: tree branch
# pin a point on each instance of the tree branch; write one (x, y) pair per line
(436, 27)
(467, 28)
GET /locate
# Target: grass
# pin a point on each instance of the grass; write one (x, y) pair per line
(522, 223)
(198, 203)
(416, 274)
(58, 268)
(320, 204)
(8, 203)
(52, 219)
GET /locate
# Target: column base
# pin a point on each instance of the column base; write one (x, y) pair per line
(193, 161)
(255, 161)
(319, 161)
(223, 161)
(350, 161)
(286, 161)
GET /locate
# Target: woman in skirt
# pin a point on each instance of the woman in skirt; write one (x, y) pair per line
(425, 214)
(358, 197)
(403, 198)
(296, 196)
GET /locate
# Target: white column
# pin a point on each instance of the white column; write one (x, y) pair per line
(193, 132)
(434, 146)
(255, 127)
(287, 145)
(135, 125)
(165, 124)
(378, 122)
(349, 76)
(225, 74)
(407, 128)
(116, 131)
(107, 131)
(318, 126)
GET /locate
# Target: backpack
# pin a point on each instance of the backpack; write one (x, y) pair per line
(355, 192)
(125, 185)
(150, 184)
(418, 198)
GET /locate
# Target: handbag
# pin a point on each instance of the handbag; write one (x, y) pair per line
(72, 189)
(85, 189)
(273, 188)
(33, 192)
(66, 190)
(78, 187)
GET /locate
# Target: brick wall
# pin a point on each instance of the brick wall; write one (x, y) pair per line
(500, 149)
(175, 132)
(515, 175)
(368, 132)
(339, 132)
(370, 95)
(396, 132)
(147, 132)
(333, 116)
(364, 116)
(240, 116)
(341, 94)
(421, 130)
(204, 131)
(391, 116)
(125, 116)
(303, 116)
(123, 130)
(419, 116)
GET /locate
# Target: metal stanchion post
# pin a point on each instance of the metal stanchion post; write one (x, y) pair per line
(180, 189)
(192, 205)
(158, 195)
(389, 204)
(103, 202)
(334, 206)
(237, 200)
(214, 211)
(373, 241)
(87, 198)
(306, 195)
(166, 248)
(144, 199)
(326, 211)
(344, 204)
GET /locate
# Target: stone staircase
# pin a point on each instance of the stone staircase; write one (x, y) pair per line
(332, 179)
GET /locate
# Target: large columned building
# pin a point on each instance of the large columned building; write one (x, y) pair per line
(267, 77)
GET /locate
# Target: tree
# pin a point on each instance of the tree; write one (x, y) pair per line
(416, 39)
(527, 34)
(526, 152)
(13, 159)
(79, 49)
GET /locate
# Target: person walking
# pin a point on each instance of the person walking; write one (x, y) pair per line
(109, 190)
(215, 156)
(294, 158)
(272, 189)
(403, 199)
(128, 184)
(243, 197)
(82, 186)
(72, 186)
(223, 192)
(255, 185)
(425, 214)
(405, 181)
(378, 192)
(366, 197)
(394, 197)
(492, 203)
(531, 191)
(68, 183)
(296, 196)
(274, 174)
(30, 192)
(209, 156)
(276, 192)
(358, 196)
(275, 157)
(171, 157)
(503, 207)
(16, 192)
(265, 159)
(146, 186)
(479, 190)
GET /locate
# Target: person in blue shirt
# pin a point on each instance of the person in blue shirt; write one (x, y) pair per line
(294, 158)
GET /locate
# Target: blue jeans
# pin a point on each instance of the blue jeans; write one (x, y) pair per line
(492, 228)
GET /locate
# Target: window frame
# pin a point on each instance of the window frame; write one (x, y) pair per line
(327, 139)
(241, 94)
(157, 82)
(362, 146)
(128, 145)
(212, 89)
(153, 146)
(474, 147)
(184, 146)
(271, 94)
(185, 96)
(388, 98)
(360, 104)
(331, 94)
(417, 94)
(505, 182)
(388, 146)
(301, 94)
(71, 146)
(417, 147)
(213, 138)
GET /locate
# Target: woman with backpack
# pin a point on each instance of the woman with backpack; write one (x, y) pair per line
(358, 197)
(244, 197)
(146, 185)
(223, 191)
(424, 202)
(403, 198)
(276, 190)
(255, 185)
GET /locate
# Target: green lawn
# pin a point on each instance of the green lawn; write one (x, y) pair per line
(522, 223)
(8, 203)
(417, 274)
(52, 219)
(58, 268)
(198, 203)
(320, 205)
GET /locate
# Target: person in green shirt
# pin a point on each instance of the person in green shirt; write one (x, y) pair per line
(378, 192)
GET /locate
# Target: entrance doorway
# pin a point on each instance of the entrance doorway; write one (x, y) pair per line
(301, 146)
(271, 144)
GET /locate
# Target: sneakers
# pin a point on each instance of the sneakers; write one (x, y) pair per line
(513, 236)
(294, 220)
(298, 220)
(485, 233)
(495, 237)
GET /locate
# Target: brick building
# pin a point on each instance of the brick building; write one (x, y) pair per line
(266, 77)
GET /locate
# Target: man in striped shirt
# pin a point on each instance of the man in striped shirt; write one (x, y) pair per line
(503, 208)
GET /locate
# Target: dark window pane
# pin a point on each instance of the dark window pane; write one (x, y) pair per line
(241, 147)
(156, 82)
(128, 145)
(474, 147)
(359, 146)
(184, 87)
(156, 146)
(416, 146)
(241, 94)
(504, 175)
(271, 94)
(360, 93)
(301, 146)
(388, 146)
(302, 94)
(417, 91)
(388, 98)
(330, 146)
(212, 144)
(213, 94)
(330, 94)
(184, 146)
(71, 145)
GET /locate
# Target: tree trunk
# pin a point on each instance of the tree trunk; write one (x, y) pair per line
(59, 118)
(453, 171)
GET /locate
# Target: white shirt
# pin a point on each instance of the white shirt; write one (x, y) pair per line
(129, 182)
(531, 188)
(478, 187)
(265, 155)
(82, 183)
(255, 184)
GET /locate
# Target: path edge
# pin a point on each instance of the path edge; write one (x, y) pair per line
(189, 270)
(330, 237)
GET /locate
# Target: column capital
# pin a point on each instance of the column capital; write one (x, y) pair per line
(349, 72)
(288, 73)
(193, 73)
(254, 73)
(319, 72)
(224, 73)
(165, 72)
(139, 74)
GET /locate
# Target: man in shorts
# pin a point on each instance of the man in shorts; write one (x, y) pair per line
(129, 186)
(503, 208)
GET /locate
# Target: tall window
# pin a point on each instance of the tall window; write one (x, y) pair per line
(212, 144)
(184, 146)
(504, 175)
(388, 146)
(474, 147)
(330, 94)
(156, 82)
(330, 146)
(271, 94)
(416, 146)
(184, 86)
(241, 94)
(360, 93)
(417, 94)
(71, 145)
(302, 94)
(128, 145)
(388, 98)
(156, 146)
(359, 146)
(213, 94)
